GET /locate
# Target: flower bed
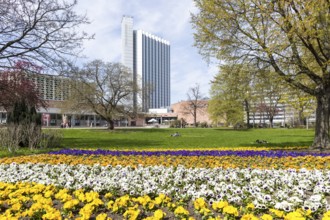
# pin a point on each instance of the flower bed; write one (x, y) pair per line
(217, 153)
(166, 185)
(255, 162)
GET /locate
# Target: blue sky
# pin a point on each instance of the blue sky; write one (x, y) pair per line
(168, 19)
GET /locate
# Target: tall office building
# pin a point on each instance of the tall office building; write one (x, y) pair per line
(151, 66)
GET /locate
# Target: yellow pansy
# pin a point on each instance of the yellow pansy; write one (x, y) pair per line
(266, 217)
(231, 210)
(294, 216)
(71, 204)
(108, 195)
(219, 205)
(249, 217)
(110, 204)
(86, 211)
(278, 213)
(48, 193)
(159, 214)
(16, 207)
(180, 211)
(204, 211)
(307, 162)
(199, 204)
(143, 200)
(250, 206)
(151, 205)
(54, 215)
(326, 215)
(132, 214)
(102, 216)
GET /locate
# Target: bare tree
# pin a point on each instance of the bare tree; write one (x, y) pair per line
(105, 88)
(43, 32)
(194, 102)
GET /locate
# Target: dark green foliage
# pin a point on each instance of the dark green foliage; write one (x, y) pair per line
(204, 124)
(175, 124)
(178, 123)
(24, 121)
(22, 114)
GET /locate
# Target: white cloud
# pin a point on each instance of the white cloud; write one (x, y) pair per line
(168, 19)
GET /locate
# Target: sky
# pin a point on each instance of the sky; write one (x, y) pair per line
(168, 19)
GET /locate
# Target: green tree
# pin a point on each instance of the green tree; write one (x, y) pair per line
(242, 86)
(229, 91)
(291, 36)
(304, 104)
(222, 108)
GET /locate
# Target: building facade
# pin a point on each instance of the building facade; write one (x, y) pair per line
(55, 90)
(284, 115)
(51, 87)
(151, 66)
(202, 115)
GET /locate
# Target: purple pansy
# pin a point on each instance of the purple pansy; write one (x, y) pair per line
(240, 153)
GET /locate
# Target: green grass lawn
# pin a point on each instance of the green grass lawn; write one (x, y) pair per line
(190, 138)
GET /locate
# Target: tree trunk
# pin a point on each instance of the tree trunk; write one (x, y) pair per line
(247, 109)
(195, 117)
(321, 139)
(300, 118)
(111, 124)
(271, 119)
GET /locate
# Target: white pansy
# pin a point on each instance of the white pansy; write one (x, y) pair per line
(295, 200)
(285, 189)
(284, 205)
(267, 197)
(315, 198)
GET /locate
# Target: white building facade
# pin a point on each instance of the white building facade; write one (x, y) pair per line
(284, 115)
(127, 42)
(151, 66)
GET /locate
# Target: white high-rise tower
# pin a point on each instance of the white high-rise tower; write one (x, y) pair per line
(127, 42)
(149, 57)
